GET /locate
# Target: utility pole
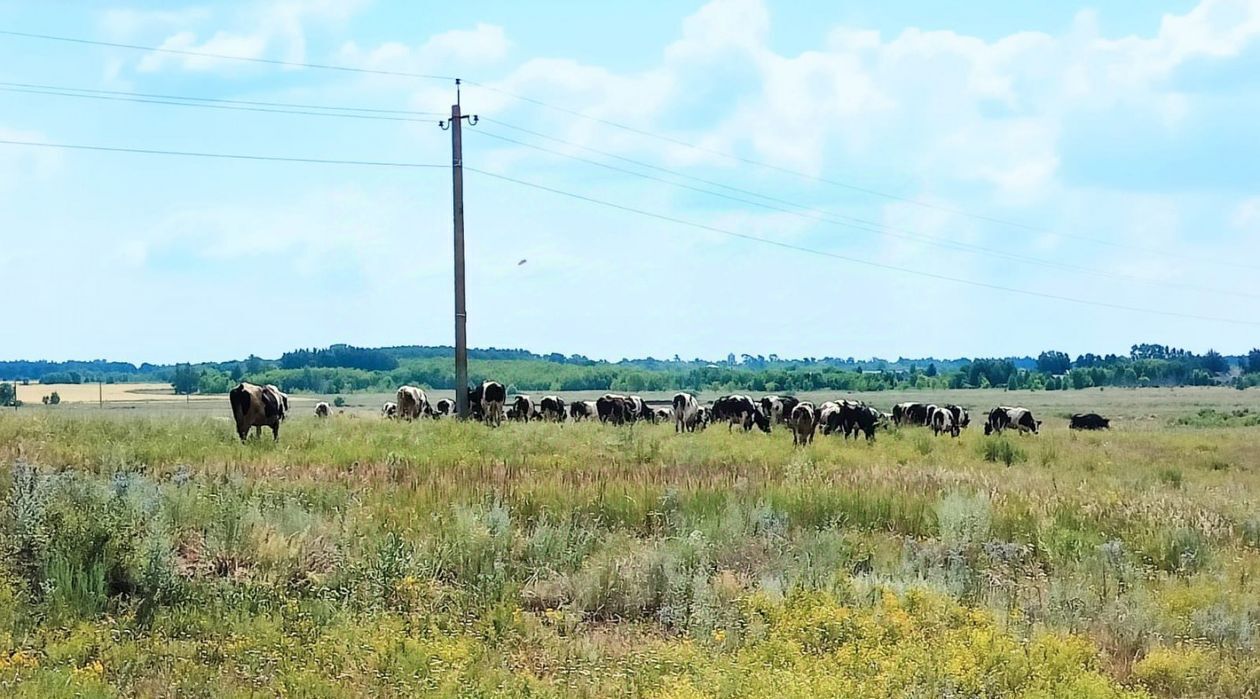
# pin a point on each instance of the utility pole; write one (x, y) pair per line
(461, 310)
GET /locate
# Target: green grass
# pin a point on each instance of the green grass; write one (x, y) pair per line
(150, 555)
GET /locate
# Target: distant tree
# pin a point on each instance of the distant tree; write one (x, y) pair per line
(339, 402)
(930, 372)
(7, 394)
(1214, 362)
(1252, 364)
(54, 398)
(185, 381)
(1053, 362)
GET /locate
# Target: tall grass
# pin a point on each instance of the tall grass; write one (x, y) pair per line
(150, 556)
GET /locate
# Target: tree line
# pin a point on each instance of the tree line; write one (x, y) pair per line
(345, 369)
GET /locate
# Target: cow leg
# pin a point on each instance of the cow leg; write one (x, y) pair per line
(275, 432)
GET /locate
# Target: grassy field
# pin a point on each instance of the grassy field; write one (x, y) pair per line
(148, 553)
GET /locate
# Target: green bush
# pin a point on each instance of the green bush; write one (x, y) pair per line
(999, 449)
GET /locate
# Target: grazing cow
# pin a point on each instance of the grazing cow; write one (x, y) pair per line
(486, 401)
(284, 399)
(613, 408)
(322, 409)
(943, 421)
(704, 417)
(552, 408)
(412, 403)
(445, 406)
(522, 409)
(804, 420)
(899, 412)
(741, 409)
(389, 411)
(662, 414)
(686, 411)
(829, 417)
(866, 419)
(961, 417)
(258, 407)
(1089, 421)
(1002, 417)
(930, 414)
(580, 410)
(911, 414)
(638, 409)
(779, 408)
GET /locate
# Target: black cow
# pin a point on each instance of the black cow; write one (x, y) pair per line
(552, 408)
(445, 406)
(741, 409)
(866, 419)
(1089, 421)
(961, 417)
(613, 408)
(912, 414)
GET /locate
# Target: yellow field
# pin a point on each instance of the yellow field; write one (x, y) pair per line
(110, 393)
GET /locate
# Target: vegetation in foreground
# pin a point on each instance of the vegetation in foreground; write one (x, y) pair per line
(362, 557)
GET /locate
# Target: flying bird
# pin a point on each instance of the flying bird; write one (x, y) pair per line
(518, 264)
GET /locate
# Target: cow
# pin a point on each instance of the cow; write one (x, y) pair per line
(583, 410)
(258, 407)
(943, 422)
(778, 408)
(284, 399)
(322, 409)
(638, 409)
(912, 414)
(865, 419)
(613, 408)
(445, 406)
(1003, 417)
(389, 410)
(486, 401)
(741, 409)
(961, 417)
(686, 411)
(704, 417)
(929, 414)
(1089, 421)
(829, 417)
(662, 414)
(412, 402)
(552, 408)
(804, 420)
(522, 409)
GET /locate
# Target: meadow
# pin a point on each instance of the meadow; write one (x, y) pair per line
(148, 553)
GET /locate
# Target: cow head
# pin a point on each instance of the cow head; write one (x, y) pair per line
(988, 428)
(761, 420)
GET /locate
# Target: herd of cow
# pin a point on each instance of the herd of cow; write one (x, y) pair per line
(266, 406)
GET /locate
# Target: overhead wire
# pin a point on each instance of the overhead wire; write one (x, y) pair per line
(854, 223)
(851, 259)
(226, 156)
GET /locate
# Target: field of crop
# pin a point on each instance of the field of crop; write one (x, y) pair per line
(148, 553)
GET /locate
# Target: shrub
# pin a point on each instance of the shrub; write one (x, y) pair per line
(1182, 551)
(1000, 449)
(339, 401)
(963, 519)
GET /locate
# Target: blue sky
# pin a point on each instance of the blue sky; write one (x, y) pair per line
(1130, 123)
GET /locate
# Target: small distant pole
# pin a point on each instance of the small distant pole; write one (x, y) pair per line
(461, 311)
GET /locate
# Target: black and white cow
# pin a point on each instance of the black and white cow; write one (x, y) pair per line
(522, 408)
(740, 409)
(829, 417)
(1089, 421)
(1002, 417)
(445, 406)
(486, 401)
(865, 420)
(803, 421)
(779, 408)
(704, 417)
(686, 411)
(961, 417)
(943, 421)
(580, 410)
(552, 408)
(638, 409)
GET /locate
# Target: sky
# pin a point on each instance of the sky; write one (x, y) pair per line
(823, 178)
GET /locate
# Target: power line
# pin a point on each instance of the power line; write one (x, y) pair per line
(847, 185)
(854, 223)
(226, 57)
(854, 260)
(122, 97)
(226, 156)
(211, 101)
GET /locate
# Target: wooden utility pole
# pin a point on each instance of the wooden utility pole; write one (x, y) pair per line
(461, 310)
